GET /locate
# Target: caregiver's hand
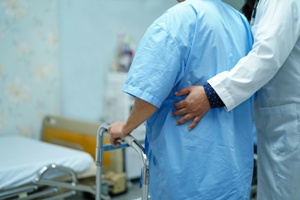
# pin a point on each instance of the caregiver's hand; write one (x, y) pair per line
(194, 106)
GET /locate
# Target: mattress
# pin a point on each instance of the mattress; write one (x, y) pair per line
(21, 158)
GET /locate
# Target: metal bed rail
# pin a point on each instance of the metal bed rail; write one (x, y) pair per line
(28, 192)
(128, 141)
(31, 191)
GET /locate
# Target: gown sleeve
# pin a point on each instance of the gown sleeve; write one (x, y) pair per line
(276, 33)
(156, 67)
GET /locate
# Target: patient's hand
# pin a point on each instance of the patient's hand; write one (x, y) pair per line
(194, 106)
(115, 131)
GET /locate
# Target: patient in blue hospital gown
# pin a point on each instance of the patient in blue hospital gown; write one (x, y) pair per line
(182, 48)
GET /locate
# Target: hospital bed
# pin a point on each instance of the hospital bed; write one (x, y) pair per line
(33, 169)
(80, 135)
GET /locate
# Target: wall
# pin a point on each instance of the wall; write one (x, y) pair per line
(89, 31)
(54, 56)
(29, 73)
(237, 4)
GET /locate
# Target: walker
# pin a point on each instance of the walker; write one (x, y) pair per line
(128, 141)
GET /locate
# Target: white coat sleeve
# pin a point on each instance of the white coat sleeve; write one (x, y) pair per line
(276, 34)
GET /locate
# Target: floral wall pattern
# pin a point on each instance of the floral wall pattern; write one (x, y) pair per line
(29, 72)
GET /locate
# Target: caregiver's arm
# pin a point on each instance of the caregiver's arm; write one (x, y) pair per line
(140, 112)
(274, 39)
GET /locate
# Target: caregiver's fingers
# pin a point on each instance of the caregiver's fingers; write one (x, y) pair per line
(184, 119)
(183, 91)
(180, 112)
(194, 123)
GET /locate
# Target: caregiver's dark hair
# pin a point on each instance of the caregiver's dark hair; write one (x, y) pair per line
(248, 8)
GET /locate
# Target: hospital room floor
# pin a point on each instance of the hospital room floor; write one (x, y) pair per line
(133, 192)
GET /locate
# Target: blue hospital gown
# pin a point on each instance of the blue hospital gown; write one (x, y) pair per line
(187, 45)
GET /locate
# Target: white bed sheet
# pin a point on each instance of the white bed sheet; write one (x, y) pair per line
(21, 158)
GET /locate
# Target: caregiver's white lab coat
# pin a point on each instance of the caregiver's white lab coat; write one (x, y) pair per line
(274, 63)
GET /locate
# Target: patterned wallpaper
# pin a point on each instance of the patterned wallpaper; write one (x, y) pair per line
(29, 73)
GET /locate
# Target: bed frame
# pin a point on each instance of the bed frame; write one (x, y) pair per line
(75, 134)
(49, 189)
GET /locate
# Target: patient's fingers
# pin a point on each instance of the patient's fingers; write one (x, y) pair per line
(115, 132)
(117, 142)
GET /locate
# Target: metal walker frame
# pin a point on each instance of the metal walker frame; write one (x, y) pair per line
(129, 141)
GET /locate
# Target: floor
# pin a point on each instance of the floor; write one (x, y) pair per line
(133, 193)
